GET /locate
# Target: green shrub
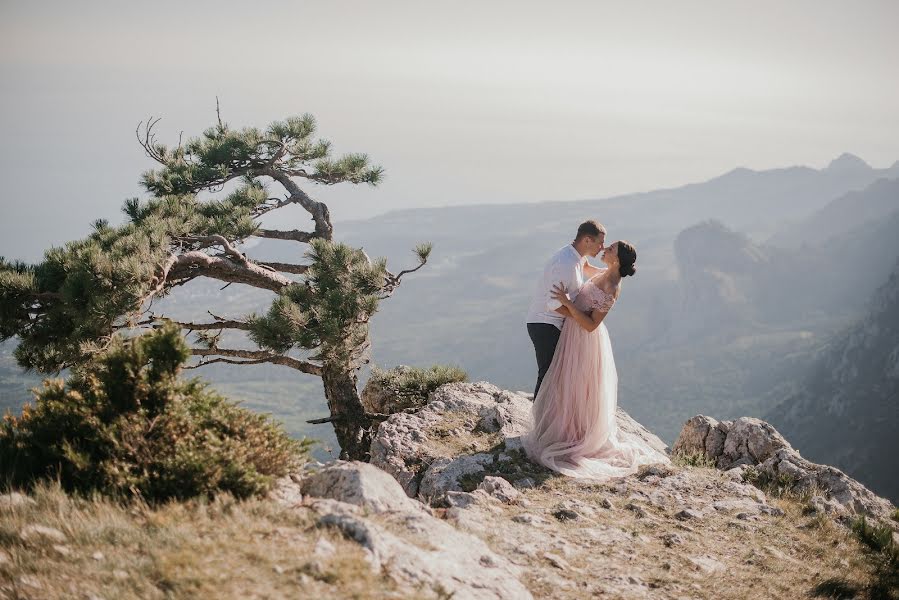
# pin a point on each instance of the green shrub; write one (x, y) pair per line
(411, 386)
(693, 459)
(127, 424)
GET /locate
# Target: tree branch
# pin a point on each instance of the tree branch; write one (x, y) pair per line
(285, 267)
(318, 210)
(277, 234)
(256, 355)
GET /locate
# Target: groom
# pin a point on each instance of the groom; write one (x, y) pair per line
(566, 266)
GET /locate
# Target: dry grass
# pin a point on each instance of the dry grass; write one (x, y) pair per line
(219, 549)
(457, 434)
(767, 557)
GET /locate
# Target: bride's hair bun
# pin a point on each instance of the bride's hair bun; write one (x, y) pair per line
(627, 257)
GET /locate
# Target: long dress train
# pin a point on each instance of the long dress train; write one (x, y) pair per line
(574, 429)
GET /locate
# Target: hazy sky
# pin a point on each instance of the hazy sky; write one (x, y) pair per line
(461, 102)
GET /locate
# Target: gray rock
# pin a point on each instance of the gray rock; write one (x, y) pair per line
(499, 488)
(466, 499)
(402, 446)
(566, 514)
(42, 534)
(15, 500)
(557, 561)
(635, 508)
(444, 474)
(688, 514)
(749, 441)
(286, 490)
(358, 483)
(525, 483)
(323, 548)
(672, 539)
(425, 553)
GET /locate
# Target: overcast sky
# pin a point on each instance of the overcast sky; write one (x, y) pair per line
(460, 102)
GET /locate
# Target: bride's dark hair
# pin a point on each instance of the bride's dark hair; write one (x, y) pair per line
(627, 256)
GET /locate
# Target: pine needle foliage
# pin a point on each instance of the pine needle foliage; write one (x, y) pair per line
(126, 424)
(66, 309)
(329, 310)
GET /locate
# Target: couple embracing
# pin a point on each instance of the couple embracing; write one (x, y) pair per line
(574, 429)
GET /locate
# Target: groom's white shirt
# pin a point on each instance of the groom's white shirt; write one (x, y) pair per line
(565, 266)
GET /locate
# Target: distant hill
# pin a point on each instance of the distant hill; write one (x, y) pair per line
(855, 208)
(846, 408)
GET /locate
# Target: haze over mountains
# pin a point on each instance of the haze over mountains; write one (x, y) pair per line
(742, 281)
(846, 409)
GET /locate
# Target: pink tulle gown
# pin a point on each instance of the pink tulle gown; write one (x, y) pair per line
(574, 429)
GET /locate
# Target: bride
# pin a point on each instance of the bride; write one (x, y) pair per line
(574, 427)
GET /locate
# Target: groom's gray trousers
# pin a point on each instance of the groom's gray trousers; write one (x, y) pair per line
(545, 338)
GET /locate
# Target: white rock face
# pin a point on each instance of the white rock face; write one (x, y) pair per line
(748, 441)
(361, 484)
(417, 550)
(404, 447)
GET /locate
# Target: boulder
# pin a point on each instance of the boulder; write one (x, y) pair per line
(358, 483)
(732, 445)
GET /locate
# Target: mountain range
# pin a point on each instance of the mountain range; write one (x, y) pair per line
(742, 282)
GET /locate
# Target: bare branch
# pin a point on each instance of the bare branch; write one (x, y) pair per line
(261, 356)
(393, 281)
(318, 210)
(295, 235)
(285, 267)
(206, 241)
(149, 139)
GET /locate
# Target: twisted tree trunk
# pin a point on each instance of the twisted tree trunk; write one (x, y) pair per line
(354, 429)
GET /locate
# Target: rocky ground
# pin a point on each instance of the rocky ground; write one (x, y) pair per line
(450, 507)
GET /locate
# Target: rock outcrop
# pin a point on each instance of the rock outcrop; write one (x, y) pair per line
(400, 535)
(451, 506)
(734, 445)
(465, 432)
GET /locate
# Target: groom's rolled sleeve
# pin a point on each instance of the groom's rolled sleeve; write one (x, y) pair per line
(566, 274)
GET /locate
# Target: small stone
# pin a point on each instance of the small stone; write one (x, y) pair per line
(566, 514)
(604, 503)
(62, 550)
(771, 510)
(707, 563)
(488, 561)
(672, 539)
(659, 470)
(525, 483)
(688, 514)
(32, 533)
(323, 548)
(638, 510)
(499, 488)
(98, 555)
(278, 569)
(4, 558)
(120, 574)
(557, 561)
(15, 500)
(528, 519)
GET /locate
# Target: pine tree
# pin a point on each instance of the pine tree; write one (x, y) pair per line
(66, 309)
